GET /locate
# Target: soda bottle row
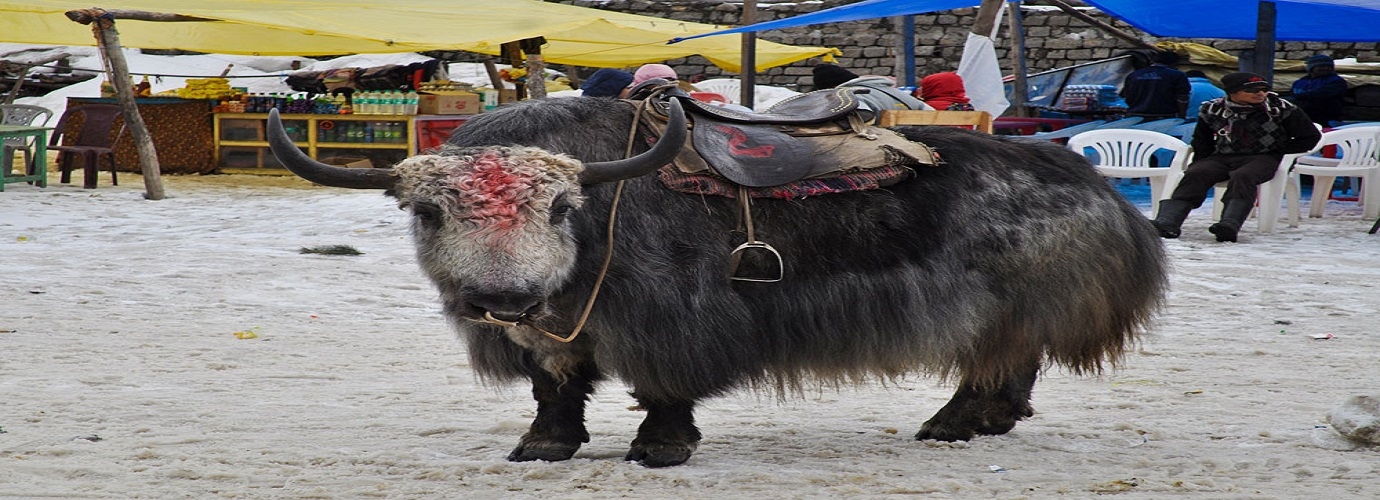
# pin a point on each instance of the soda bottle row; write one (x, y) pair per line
(357, 131)
(283, 102)
(385, 102)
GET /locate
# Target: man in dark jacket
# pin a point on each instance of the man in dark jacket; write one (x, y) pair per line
(1320, 93)
(1158, 90)
(1241, 139)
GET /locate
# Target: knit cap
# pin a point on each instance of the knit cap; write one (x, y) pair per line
(606, 83)
(1315, 61)
(1241, 81)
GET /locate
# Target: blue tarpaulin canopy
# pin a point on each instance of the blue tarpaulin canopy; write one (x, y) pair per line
(1297, 20)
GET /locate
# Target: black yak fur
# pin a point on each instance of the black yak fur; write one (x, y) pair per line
(1009, 257)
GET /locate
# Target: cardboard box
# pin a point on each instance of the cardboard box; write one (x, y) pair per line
(448, 103)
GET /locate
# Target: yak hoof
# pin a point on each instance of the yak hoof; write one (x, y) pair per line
(540, 449)
(660, 455)
(960, 425)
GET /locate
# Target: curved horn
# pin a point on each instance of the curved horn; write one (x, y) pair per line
(329, 175)
(665, 150)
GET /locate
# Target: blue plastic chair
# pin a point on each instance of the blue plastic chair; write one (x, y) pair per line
(1184, 131)
(1162, 126)
(1066, 132)
(1122, 123)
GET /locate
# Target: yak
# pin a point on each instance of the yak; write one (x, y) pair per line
(561, 259)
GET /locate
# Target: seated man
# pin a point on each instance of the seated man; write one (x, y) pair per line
(1241, 139)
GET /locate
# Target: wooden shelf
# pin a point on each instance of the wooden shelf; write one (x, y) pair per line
(255, 153)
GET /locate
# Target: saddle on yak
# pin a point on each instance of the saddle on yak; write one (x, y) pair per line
(811, 144)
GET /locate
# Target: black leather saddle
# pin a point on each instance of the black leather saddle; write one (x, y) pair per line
(764, 149)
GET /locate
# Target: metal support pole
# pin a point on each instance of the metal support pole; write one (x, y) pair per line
(1263, 62)
(747, 95)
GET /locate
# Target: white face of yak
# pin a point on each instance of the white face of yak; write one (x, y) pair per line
(490, 226)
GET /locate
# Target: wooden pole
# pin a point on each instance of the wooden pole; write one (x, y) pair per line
(987, 17)
(512, 55)
(536, 67)
(747, 95)
(103, 26)
(1020, 89)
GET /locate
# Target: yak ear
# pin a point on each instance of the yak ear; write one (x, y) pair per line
(663, 152)
(327, 175)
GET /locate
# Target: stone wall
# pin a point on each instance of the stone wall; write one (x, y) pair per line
(1053, 38)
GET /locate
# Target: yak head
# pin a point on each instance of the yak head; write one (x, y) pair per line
(491, 224)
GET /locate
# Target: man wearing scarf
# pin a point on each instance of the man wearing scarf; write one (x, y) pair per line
(1240, 139)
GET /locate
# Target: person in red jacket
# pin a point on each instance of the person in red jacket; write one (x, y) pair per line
(944, 91)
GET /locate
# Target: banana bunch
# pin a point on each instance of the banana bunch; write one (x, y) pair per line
(207, 88)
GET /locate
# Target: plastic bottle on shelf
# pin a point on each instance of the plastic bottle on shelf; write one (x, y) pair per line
(387, 108)
(410, 106)
(362, 103)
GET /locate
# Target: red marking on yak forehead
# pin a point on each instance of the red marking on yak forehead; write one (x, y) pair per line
(497, 195)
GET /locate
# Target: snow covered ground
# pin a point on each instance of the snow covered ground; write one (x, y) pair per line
(122, 374)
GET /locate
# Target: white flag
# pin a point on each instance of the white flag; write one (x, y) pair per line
(982, 74)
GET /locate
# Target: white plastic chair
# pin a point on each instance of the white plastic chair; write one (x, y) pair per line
(1358, 151)
(731, 89)
(1269, 196)
(1126, 153)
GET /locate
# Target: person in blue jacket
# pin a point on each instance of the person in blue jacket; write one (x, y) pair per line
(1320, 92)
(1202, 90)
(1158, 90)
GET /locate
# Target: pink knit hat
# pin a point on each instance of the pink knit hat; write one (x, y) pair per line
(650, 71)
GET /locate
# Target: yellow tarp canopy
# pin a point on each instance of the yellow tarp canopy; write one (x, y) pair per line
(574, 35)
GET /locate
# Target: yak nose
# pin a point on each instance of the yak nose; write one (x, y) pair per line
(505, 306)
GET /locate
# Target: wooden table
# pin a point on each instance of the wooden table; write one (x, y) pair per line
(39, 173)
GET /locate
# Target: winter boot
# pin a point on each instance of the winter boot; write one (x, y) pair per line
(1170, 217)
(1233, 215)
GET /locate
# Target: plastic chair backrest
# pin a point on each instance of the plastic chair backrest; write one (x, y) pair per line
(97, 122)
(24, 114)
(1356, 146)
(1127, 147)
(708, 97)
(729, 88)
